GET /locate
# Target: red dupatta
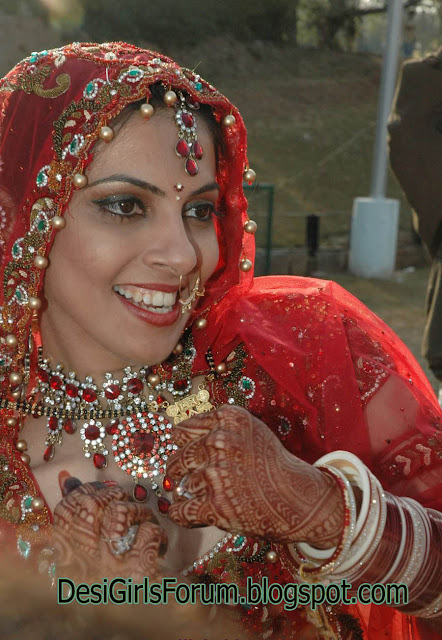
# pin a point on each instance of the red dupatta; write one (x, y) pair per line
(320, 369)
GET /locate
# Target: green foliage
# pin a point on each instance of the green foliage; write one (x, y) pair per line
(184, 23)
(332, 21)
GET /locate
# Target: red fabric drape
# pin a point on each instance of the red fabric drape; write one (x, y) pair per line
(328, 373)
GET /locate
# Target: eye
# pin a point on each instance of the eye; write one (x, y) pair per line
(200, 211)
(122, 206)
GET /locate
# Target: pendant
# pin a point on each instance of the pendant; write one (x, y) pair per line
(190, 406)
(141, 446)
(93, 434)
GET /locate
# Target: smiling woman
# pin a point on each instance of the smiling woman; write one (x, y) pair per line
(140, 355)
(128, 240)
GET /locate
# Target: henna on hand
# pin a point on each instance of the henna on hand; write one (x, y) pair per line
(242, 479)
(87, 522)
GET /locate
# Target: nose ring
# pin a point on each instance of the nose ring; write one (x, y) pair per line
(186, 303)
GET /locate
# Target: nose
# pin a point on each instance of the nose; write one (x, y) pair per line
(170, 247)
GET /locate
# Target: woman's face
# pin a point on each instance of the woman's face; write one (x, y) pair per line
(141, 223)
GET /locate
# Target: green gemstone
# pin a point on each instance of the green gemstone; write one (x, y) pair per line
(18, 295)
(90, 89)
(198, 86)
(28, 502)
(16, 250)
(2, 362)
(41, 225)
(247, 385)
(41, 177)
(134, 73)
(24, 547)
(188, 353)
(238, 542)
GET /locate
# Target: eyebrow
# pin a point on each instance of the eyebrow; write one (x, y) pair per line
(147, 186)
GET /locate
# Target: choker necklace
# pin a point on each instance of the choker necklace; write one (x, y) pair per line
(136, 423)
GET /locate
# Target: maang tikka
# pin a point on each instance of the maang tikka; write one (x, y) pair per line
(187, 146)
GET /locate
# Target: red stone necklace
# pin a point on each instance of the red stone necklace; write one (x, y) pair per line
(132, 424)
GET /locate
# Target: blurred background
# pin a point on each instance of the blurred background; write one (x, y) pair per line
(306, 75)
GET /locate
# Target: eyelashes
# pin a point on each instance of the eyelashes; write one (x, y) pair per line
(130, 208)
(122, 207)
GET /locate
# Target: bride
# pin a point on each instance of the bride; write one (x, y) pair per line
(139, 355)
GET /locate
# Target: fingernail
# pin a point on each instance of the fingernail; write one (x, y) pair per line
(70, 484)
(62, 477)
(110, 483)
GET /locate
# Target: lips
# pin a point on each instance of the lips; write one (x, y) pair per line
(152, 305)
(149, 299)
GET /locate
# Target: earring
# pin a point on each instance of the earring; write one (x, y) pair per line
(186, 303)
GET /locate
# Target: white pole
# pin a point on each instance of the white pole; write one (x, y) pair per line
(375, 220)
(388, 83)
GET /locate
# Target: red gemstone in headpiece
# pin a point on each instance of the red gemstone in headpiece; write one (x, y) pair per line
(53, 423)
(89, 395)
(134, 385)
(182, 148)
(140, 493)
(69, 426)
(56, 382)
(112, 392)
(168, 484)
(100, 461)
(92, 432)
(197, 150)
(143, 443)
(49, 453)
(191, 167)
(163, 505)
(71, 390)
(188, 120)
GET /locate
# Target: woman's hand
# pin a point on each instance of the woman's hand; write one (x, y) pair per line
(99, 533)
(238, 476)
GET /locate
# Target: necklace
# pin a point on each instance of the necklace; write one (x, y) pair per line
(129, 418)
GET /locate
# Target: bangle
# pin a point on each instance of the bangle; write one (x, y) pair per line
(309, 568)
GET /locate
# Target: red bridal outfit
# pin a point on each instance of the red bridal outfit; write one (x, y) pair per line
(301, 354)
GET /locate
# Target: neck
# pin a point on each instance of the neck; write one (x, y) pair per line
(74, 351)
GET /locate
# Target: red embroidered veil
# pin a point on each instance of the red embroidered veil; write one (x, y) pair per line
(320, 369)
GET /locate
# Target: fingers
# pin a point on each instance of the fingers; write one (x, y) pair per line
(202, 483)
(193, 512)
(190, 457)
(194, 428)
(120, 515)
(150, 536)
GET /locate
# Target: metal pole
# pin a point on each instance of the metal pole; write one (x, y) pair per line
(388, 82)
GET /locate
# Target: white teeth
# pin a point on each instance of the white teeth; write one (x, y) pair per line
(169, 299)
(158, 299)
(160, 309)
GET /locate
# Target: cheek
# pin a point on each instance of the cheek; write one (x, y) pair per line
(210, 254)
(83, 256)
